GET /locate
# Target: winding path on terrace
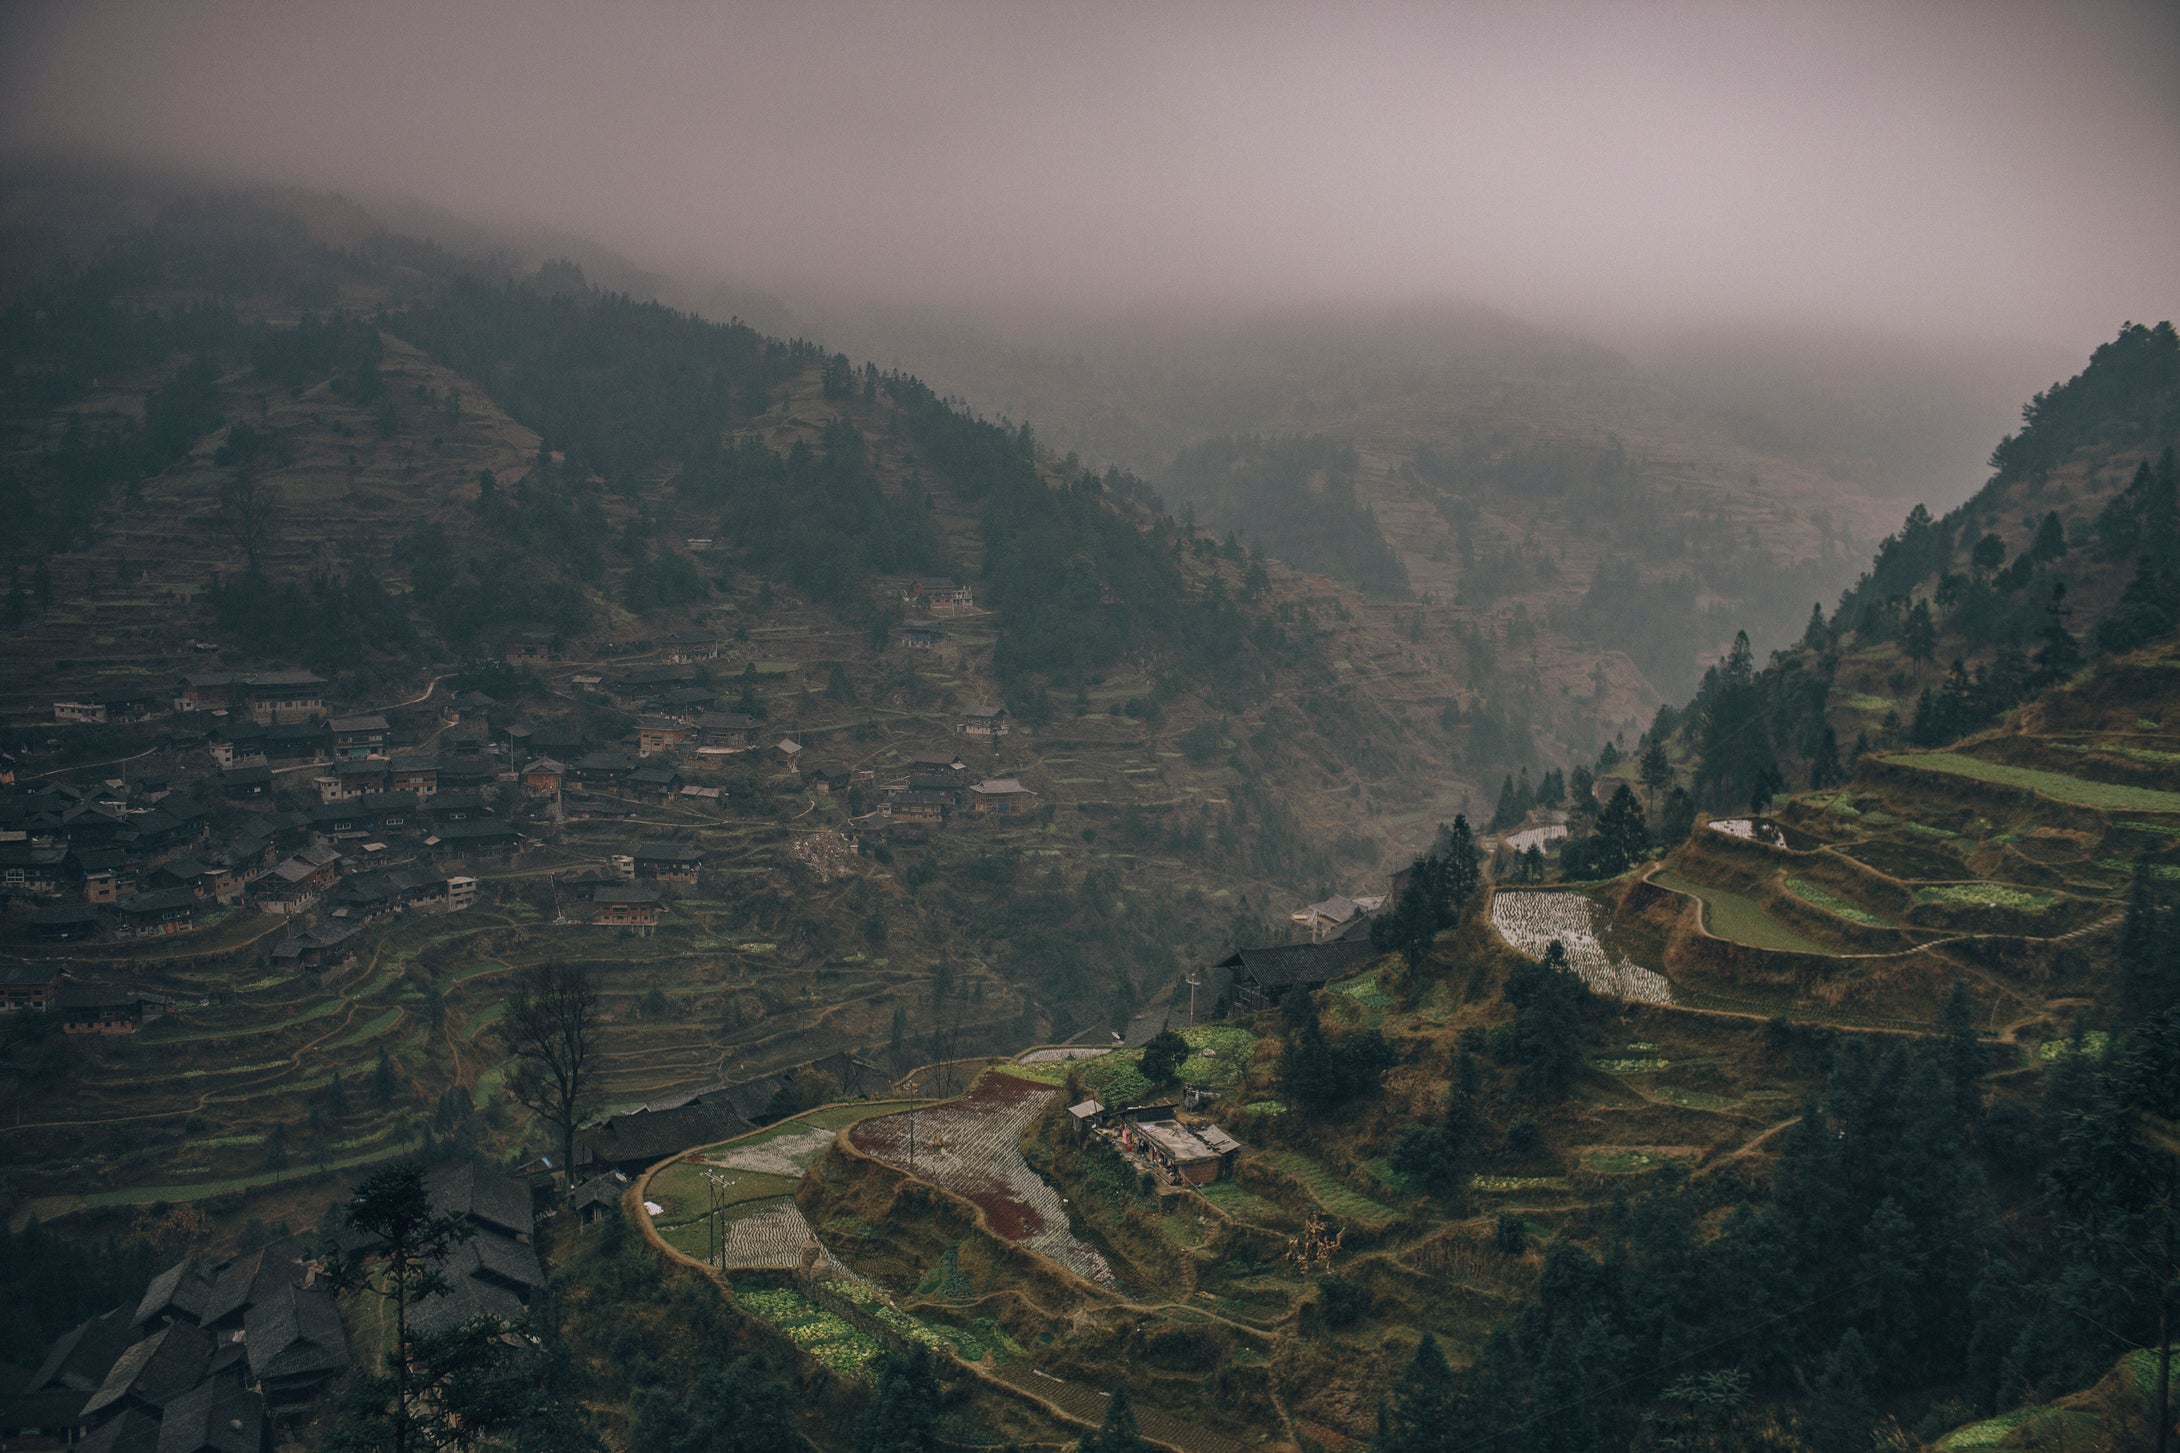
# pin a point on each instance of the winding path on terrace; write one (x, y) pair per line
(972, 1147)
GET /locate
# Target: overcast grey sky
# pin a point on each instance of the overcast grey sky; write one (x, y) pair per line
(1981, 169)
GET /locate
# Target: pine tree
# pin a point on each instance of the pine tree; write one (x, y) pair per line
(1546, 1035)
(904, 1411)
(2050, 541)
(1503, 816)
(1117, 1434)
(1840, 1418)
(1623, 837)
(1961, 1055)
(1416, 1416)
(1656, 769)
(1814, 635)
(1919, 637)
(1306, 1070)
(1824, 765)
(2147, 957)
(2057, 652)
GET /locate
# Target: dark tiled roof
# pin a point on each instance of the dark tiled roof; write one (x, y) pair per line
(132, 1432)
(605, 1190)
(64, 915)
(218, 1415)
(250, 1279)
(465, 1299)
(46, 1412)
(486, 1197)
(157, 1369)
(181, 1290)
(511, 1264)
(476, 829)
(1282, 965)
(81, 1357)
(650, 1135)
(295, 1334)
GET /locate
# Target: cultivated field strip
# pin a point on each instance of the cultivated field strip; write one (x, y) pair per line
(972, 1147)
(772, 1238)
(1087, 1405)
(1531, 921)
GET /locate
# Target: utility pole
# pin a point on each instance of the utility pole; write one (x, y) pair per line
(1193, 980)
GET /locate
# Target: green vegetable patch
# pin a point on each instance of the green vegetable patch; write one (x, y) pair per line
(826, 1336)
(1985, 895)
(1833, 904)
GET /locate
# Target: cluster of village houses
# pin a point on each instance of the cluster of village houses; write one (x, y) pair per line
(213, 1354)
(394, 829)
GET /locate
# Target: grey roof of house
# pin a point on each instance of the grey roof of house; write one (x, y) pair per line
(1217, 1139)
(46, 1412)
(605, 1190)
(465, 1299)
(132, 1432)
(1280, 966)
(1176, 1140)
(667, 853)
(512, 1264)
(295, 1333)
(61, 915)
(919, 798)
(485, 1196)
(476, 829)
(182, 1289)
(945, 782)
(155, 1370)
(249, 1279)
(631, 897)
(751, 1099)
(81, 1357)
(218, 1415)
(649, 1135)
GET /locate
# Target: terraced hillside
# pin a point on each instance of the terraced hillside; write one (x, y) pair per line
(336, 512)
(1970, 862)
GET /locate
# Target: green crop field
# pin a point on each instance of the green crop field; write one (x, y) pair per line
(2109, 796)
(1832, 903)
(1985, 895)
(1741, 919)
(1338, 1199)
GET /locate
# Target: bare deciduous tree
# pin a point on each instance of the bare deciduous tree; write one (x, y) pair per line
(248, 510)
(551, 1029)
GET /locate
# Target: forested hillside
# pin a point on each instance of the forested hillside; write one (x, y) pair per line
(2066, 555)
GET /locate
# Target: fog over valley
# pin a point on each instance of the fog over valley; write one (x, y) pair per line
(1220, 728)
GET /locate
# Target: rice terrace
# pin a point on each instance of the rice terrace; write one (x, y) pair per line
(1048, 732)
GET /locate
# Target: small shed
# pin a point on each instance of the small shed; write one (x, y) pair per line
(1085, 1117)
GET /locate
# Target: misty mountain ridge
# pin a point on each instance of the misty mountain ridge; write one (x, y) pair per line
(310, 438)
